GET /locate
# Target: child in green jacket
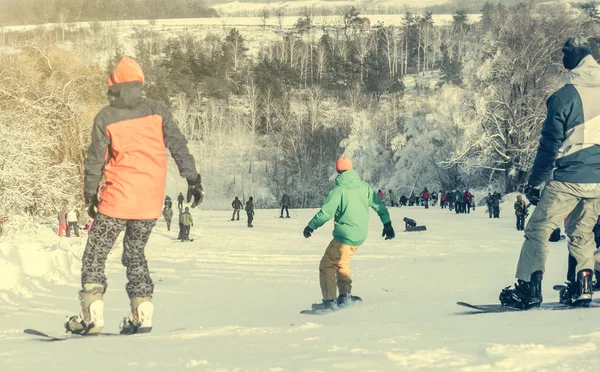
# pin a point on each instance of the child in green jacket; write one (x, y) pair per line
(348, 204)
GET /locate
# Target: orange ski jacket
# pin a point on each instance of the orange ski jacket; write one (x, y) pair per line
(129, 137)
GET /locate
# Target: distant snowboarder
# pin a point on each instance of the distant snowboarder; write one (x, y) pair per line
(348, 203)
(285, 204)
(574, 188)
(187, 221)
(250, 211)
(133, 132)
(180, 200)
(236, 204)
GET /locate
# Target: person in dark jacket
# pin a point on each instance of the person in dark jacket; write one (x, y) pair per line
(569, 154)
(168, 202)
(128, 149)
(285, 204)
(180, 200)
(250, 211)
(434, 198)
(403, 201)
(168, 216)
(411, 199)
(489, 203)
(236, 204)
(450, 200)
(520, 212)
(496, 200)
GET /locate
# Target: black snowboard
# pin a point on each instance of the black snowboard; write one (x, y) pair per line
(64, 336)
(497, 308)
(327, 311)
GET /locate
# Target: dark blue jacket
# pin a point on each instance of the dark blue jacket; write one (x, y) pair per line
(570, 140)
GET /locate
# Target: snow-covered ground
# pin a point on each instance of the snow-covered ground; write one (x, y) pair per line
(231, 300)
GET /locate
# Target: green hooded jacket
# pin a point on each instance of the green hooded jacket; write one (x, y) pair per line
(348, 204)
(458, 196)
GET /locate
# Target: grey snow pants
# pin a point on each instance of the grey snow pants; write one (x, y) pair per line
(101, 239)
(581, 203)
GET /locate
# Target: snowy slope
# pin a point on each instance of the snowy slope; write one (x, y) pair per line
(230, 300)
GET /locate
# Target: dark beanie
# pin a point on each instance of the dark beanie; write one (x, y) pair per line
(575, 49)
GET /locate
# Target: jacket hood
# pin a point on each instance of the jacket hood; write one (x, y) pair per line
(126, 84)
(586, 74)
(126, 71)
(348, 180)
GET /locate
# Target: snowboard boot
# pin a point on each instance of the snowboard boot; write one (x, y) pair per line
(347, 299)
(580, 292)
(325, 305)
(91, 318)
(140, 318)
(287, 217)
(525, 295)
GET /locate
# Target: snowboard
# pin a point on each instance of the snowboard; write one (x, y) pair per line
(64, 336)
(327, 311)
(497, 308)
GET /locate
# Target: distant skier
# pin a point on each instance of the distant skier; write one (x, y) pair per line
(250, 211)
(180, 200)
(188, 222)
(568, 152)
(62, 221)
(520, 211)
(434, 198)
(167, 213)
(348, 204)
(403, 201)
(285, 204)
(236, 204)
(168, 202)
(73, 223)
(127, 148)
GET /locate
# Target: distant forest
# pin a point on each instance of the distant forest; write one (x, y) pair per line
(27, 12)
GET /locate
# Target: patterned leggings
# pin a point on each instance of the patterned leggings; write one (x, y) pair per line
(101, 239)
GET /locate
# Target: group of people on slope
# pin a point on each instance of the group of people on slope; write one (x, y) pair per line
(185, 217)
(68, 222)
(237, 205)
(493, 204)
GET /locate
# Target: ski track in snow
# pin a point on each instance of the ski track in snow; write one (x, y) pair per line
(231, 299)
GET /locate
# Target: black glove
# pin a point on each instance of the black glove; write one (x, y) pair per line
(388, 231)
(532, 193)
(308, 232)
(91, 204)
(195, 190)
